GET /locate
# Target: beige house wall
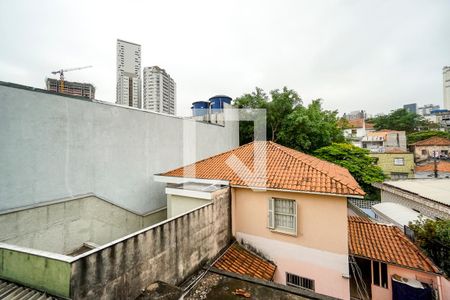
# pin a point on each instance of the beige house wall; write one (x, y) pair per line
(318, 252)
(321, 219)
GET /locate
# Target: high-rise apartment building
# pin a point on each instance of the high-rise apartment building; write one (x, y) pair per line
(446, 85)
(128, 74)
(412, 108)
(159, 91)
(71, 88)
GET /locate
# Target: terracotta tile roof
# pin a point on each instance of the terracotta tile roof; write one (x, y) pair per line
(433, 141)
(386, 243)
(359, 123)
(238, 260)
(442, 166)
(286, 169)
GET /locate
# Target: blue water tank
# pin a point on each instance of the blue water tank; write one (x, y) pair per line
(200, 108)
(218, 101)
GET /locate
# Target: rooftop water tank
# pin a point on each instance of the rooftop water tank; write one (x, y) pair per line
(218, 101)
(200, 108)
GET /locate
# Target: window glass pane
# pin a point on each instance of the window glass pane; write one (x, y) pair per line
(376, 272)
(284, 213)
(384, 276)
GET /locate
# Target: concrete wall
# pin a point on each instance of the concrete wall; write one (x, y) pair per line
(63, 227)
(54, 147)
(169, 252)
(319, 251)
(179, 204)
(39, 272)
(430, 174)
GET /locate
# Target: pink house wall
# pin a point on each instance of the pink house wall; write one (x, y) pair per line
(318, 252)
(434, 279)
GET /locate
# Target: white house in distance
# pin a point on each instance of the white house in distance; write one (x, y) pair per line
(357, 130)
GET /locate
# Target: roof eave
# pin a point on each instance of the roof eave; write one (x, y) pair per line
(438, 272)
(178, 180)
(298, 191)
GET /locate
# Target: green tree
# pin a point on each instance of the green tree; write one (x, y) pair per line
(280, 104)
(255, 100)
(309, 128)
(423, 135)
(357, 161)
(278, 110)
(400, 119)
(433, 236)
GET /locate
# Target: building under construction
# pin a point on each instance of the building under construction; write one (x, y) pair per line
(71, 88)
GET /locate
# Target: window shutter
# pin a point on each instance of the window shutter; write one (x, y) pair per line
(270, 214)
(295, 217)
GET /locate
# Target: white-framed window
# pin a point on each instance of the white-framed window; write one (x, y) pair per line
(297, 281)
(282, 215)
(399, 161)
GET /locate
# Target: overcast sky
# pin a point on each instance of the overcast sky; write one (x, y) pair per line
(372, 55)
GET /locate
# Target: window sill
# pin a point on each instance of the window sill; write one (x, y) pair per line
(283, 232)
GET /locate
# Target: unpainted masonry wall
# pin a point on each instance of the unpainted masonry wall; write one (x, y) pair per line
(169, 252)
(63, 227)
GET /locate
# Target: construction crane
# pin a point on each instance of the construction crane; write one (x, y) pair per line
(61, 76)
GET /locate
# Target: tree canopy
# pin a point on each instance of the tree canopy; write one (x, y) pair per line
(289, 122)
(357, 161)
(423, 135)
(400, 119)
(433, 236)
(309, 128)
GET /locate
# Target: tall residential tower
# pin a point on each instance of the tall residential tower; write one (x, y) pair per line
(446, 75)
(128, 74)
(159, 91)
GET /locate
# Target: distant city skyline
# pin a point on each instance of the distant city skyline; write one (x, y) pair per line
(355, 55)
(159, 92)
(129, 84)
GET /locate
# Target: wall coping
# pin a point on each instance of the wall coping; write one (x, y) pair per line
(78, 197)
(36, 252)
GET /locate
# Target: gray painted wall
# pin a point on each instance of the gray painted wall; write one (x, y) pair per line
(63, 227)
(55, 147)
(169, 252)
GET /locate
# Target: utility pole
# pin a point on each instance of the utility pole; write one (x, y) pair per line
(435, 164)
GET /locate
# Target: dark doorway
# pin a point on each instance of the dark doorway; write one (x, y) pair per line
(360, 278)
